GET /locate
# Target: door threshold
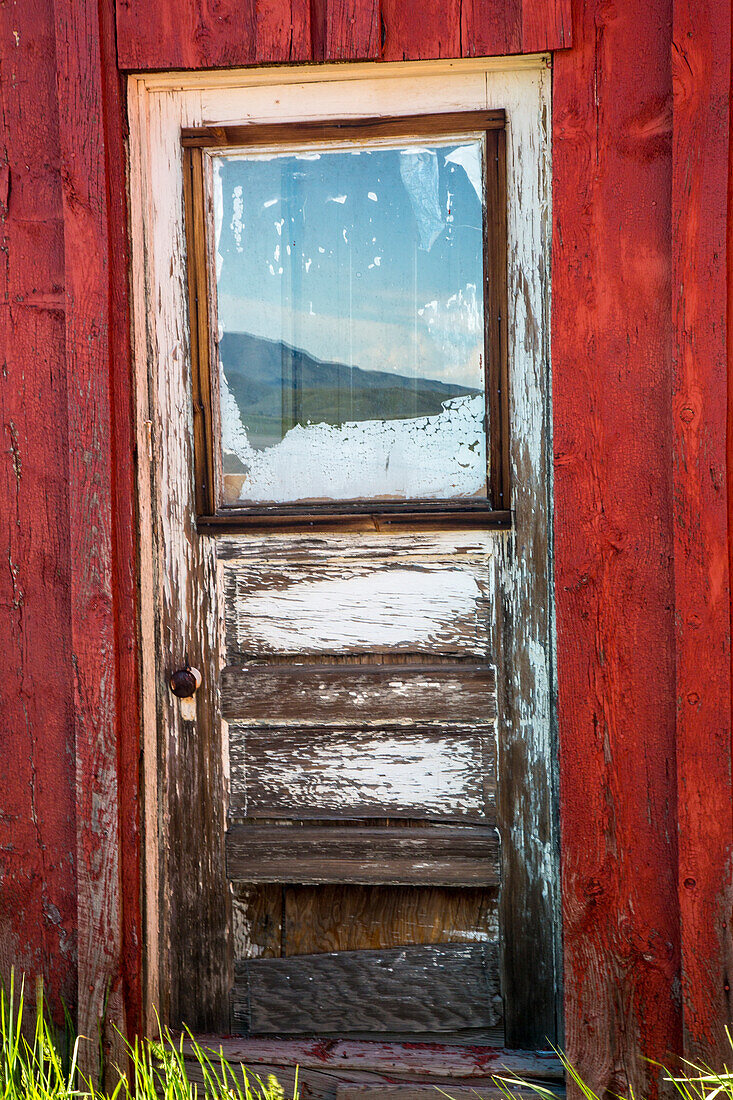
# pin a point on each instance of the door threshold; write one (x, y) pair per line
(343, 1069)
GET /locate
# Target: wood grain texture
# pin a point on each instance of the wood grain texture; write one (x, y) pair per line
(123, 508)
(38, 913)
(251, 551)
(411, 1061)
(701, 232)
(405, 772)
(424, 1092)
(184, 750)
(611, 349)
(363, 695)
(353, 30)
(319, 919)
(376, 607)
(257, 921)
(82, 142)
(424, 855)
(491, 27)
(421, 989)
(182, 34)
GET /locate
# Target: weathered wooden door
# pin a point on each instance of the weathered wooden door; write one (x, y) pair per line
(356, 784)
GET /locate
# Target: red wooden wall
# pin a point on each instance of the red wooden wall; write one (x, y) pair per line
(640, 349)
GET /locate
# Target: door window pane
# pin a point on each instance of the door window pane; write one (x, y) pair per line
(350, 308)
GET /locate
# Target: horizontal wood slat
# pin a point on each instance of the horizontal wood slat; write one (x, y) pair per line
(426, 1091)
(439, 774)
(179, 34)
(425, 855)
(442, 607)
(407, 989)
(359, 695)
(306, 548)
(439, 1062)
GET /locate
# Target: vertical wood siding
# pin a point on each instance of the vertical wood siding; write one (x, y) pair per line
(189, 34)
(640, 478)
(37, 815)
(701, 69)
(613, 528)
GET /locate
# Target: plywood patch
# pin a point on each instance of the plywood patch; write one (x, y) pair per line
(419, 989)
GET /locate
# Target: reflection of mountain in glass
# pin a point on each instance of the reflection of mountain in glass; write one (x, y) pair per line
(276, 387)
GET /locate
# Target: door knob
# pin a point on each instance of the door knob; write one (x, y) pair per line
(185, 681)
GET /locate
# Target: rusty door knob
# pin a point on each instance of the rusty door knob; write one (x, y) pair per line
(184, 682)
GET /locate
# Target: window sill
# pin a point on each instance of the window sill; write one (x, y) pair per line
(425, 515)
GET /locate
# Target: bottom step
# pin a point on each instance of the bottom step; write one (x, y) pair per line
(370, 1070)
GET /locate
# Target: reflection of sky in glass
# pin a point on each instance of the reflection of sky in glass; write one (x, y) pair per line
(371, 258)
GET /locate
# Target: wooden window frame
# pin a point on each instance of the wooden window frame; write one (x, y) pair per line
(197, 143)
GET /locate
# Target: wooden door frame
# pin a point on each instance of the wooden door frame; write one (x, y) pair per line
(177, 566)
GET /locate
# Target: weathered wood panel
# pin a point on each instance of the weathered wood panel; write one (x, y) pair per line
(180, 34)
(431, 855)
(318, 919)
(83, 133)
(421, 989)
(611, 393)
(416, 1091)
(123, 515)
(410, 772)
(360, 695)
(364, 546)
(186, 822)
(38, 912)
(439, 1062)
(379, 607)
(257, 920)
(702, 173)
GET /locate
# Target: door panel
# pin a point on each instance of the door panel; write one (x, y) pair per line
(431, 854)
(271, 920)
(442, 773)
(424, 990)
(357, 607)
(364, 695)
(360, 699)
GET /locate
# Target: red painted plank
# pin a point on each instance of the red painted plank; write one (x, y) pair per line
(91, 492)
(199, 34)
(491, 27)
(546, 25)
(353, 30)
(124, 526)
(186, 34)
(283, 31)
(417, 31)
(611, 349)
(701, 58)
(37, 815)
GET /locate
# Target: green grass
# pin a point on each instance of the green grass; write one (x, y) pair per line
(695, 1082)
(35, 1065)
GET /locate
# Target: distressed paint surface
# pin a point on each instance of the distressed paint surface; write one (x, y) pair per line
(179, 34)
(409, 773)
(420, 607)
(37, 784)
(300, 853)
(613, 503)
(316, 695)
(702, 229)
(185, 758)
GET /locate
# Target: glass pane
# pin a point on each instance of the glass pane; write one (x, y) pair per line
(351, 322)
